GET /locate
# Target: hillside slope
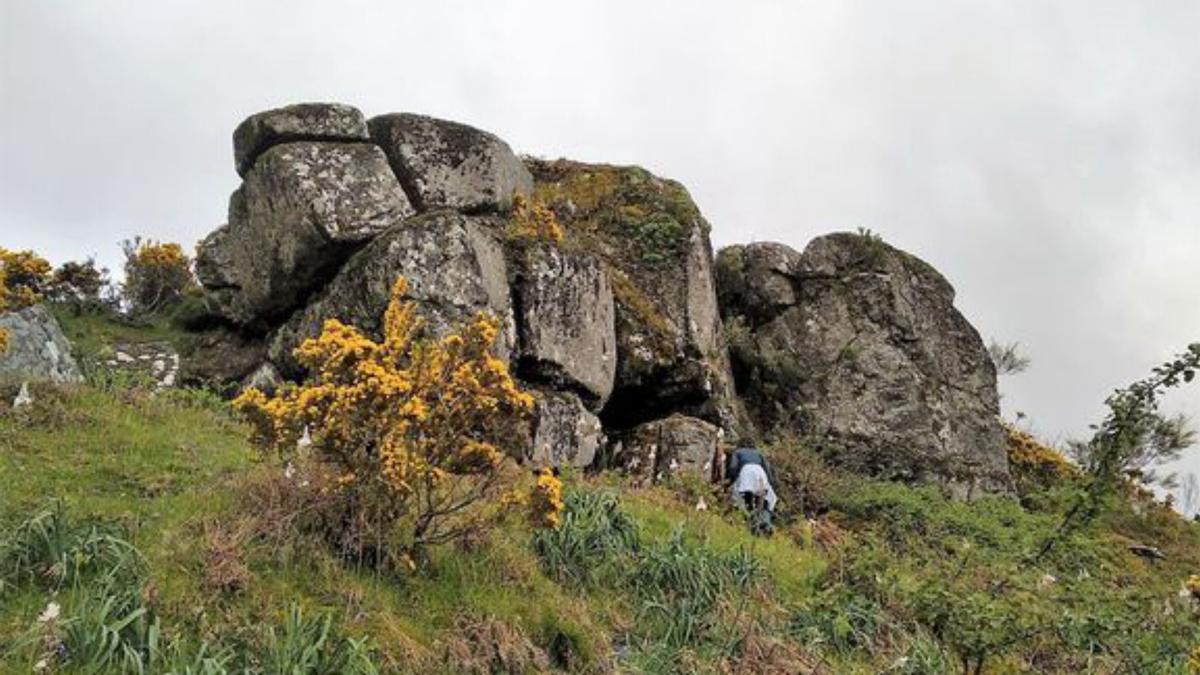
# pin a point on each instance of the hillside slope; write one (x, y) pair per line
(890, 578)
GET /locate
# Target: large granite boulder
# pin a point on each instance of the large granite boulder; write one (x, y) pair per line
(856, 347)
(565, 433)
(566, 334)
(302, 210)
(454, 265)
(37, 349)
(675, 445)
(445, 164)
(655, 247)
(300, 122)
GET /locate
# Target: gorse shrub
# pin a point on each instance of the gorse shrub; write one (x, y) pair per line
(24, 277)
(1035, 465)
(418, 429)
(157, 275)
(532, 220)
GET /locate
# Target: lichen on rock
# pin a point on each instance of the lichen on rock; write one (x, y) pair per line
(856, 346)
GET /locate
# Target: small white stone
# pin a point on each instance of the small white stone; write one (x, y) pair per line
(23, 398)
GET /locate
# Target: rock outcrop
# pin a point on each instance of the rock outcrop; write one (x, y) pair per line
(566, 325)
(676, 445)
(37, 349)
(565, 433)
(857, 347)
(654, 245)
(300, 122)
(454, 265)
(624, 328)
(445, 164)
(302, 210)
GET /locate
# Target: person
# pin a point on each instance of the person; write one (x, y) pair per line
(751, 480)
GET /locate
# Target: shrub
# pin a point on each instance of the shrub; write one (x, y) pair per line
(418, 429)
(80, 284)
(26, 278)
(1036, 466)
(806, 483)
(23, 279)
(157, 275)
(533, 221)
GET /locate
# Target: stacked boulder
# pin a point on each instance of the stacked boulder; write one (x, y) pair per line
(856, 347)
(623, 329)
(334, 207)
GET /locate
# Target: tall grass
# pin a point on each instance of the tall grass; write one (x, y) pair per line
(50, 550)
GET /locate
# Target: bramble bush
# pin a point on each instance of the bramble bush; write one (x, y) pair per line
(417, 430)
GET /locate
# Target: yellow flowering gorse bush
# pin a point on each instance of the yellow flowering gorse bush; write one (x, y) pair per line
(545, 501)
(533, 220)
(156, 274)
(24, 276)
(1033, 461)
(418, 429)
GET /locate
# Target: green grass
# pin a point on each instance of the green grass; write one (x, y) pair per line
(914, 574)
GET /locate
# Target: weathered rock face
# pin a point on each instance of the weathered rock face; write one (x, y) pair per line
(455, 268)
(654, 245)
(37, 349)
(857, 346)
(565, 433)
(219, 359)
(302, 210)
(675, 445)
(445, 164)
(566, 334)
(300, 122)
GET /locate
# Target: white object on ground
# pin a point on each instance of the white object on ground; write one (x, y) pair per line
(23, 398)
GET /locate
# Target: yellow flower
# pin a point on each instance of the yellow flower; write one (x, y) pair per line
(429, 420)
(545, 500)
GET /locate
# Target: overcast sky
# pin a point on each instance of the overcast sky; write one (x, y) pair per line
(1044, 156)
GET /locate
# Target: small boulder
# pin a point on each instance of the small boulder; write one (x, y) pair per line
(445, 164)
(565, 433)
(265, 378)
(455, 268)
(565, 324)
(303, 209)
(300, 122)
(37, 349)
(676, 445)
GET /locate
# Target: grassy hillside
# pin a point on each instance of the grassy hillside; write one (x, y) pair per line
(223, 577)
